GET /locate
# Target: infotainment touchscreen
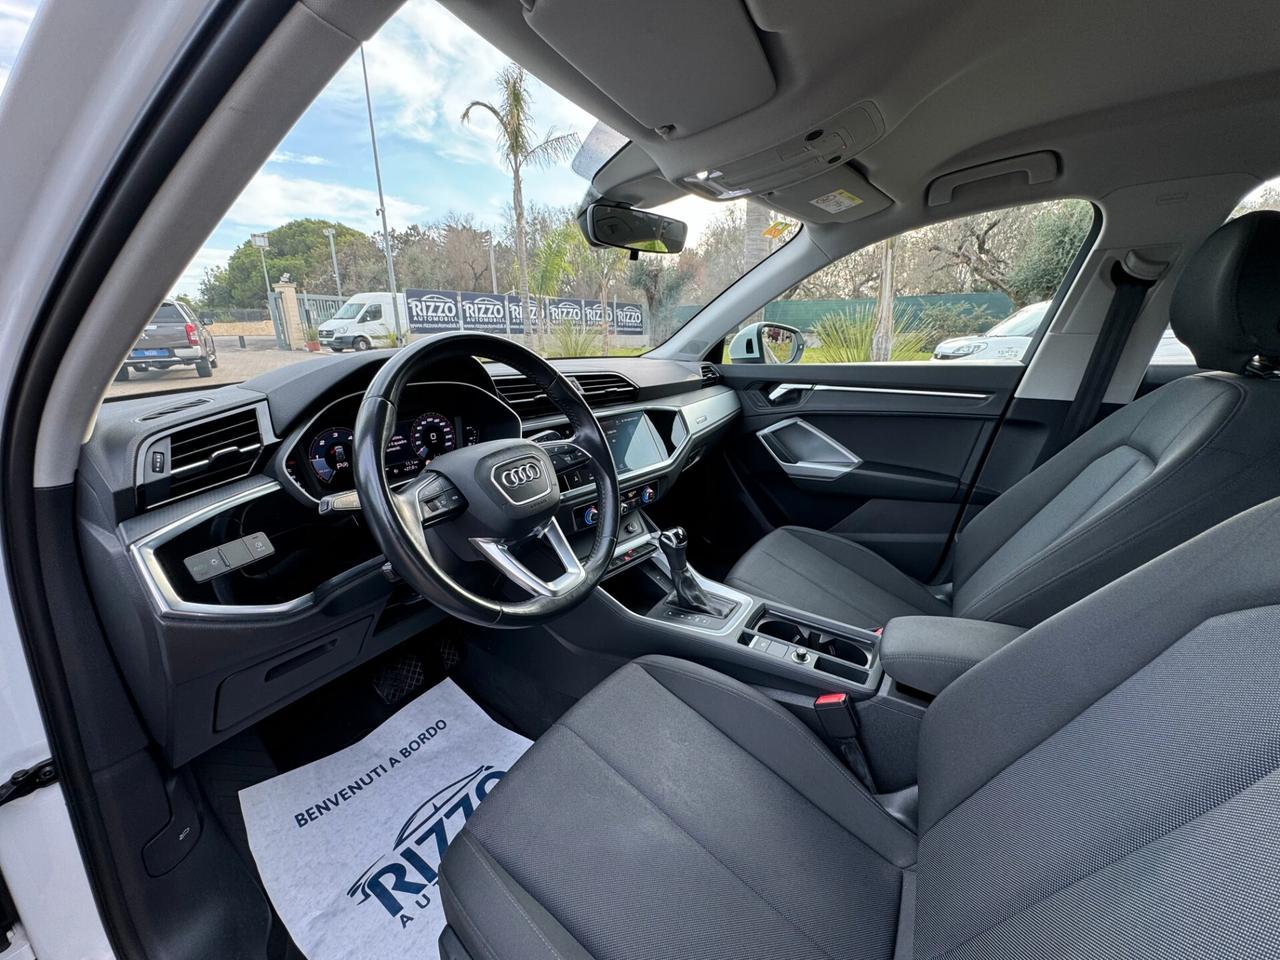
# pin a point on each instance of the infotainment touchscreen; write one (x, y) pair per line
(633, 441)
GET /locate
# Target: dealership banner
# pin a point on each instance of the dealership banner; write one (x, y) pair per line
(487, 313)
(434, 311)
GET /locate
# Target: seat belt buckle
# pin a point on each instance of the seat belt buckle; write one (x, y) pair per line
(836, 714)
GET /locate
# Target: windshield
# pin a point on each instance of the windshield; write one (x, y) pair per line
(1024, 323)
(483, 173)
(349, 310)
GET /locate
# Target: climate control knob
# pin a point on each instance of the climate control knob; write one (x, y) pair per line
(590, 515)
(648, 495)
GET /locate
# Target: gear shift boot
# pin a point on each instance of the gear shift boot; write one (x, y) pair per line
(688, 594)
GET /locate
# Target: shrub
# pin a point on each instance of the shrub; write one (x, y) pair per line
(845, 336)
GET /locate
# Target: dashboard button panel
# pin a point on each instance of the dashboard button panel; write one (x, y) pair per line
(232, 555)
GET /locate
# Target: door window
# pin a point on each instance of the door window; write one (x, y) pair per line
(973, 289)
(374, 312)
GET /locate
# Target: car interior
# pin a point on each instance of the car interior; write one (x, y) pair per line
(823, 660)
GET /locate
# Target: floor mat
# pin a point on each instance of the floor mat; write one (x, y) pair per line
(348, 845)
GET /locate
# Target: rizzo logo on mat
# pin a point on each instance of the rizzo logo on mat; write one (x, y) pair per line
(399, 880)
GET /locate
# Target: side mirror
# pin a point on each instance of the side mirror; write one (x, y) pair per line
(767, 343)
(611, 225)
(205, 321)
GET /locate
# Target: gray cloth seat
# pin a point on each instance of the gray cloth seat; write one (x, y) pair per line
(1078, 796)
(1149, 477)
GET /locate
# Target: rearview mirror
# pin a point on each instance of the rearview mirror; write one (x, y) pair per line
(767, 343)
(610, 225)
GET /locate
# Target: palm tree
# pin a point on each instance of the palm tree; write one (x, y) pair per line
(521, 148)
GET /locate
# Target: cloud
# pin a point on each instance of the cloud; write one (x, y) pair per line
(189, 282)
(425, 66)
(271, 199)
(303, 159)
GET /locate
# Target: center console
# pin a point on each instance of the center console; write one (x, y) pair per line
(661, 588)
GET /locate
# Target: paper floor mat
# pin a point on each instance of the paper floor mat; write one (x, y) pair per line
(348, 846)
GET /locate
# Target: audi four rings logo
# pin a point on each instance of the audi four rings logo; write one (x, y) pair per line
(518, 476)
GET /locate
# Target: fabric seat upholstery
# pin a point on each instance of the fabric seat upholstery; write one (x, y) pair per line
(1078, 796)
(1149, 477)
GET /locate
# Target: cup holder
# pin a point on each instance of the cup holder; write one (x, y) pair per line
(813, 638)
(783, 630)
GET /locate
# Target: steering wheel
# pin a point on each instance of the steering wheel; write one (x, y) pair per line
(485, 501)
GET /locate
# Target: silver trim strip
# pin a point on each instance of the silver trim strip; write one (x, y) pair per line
(811, 469)
(784, 388)
(166, 599)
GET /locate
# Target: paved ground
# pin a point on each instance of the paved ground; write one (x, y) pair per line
(234, 364)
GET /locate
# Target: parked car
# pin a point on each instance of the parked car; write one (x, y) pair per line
(1007, 340)
(175, 337)
(364, 321)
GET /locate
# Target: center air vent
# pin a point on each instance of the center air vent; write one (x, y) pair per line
(525, 397)
(604, 389)
(200, 456)
(600, 390)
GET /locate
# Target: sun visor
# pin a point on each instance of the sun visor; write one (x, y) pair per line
(840, 195)
(677, 67)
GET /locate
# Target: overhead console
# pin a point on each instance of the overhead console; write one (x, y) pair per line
(659, 70)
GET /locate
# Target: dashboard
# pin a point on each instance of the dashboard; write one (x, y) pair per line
(226, 591)
(434, 418)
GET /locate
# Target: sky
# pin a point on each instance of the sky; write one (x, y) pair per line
(425, 66)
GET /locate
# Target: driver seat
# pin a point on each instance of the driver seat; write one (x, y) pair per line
(1107, 785)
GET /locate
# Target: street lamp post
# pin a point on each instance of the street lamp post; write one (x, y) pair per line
(382, 204)
(333, 254)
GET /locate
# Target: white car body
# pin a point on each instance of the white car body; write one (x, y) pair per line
(365, 321)
(1007, 340)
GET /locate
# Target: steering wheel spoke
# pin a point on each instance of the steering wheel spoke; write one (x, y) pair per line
(498, 553)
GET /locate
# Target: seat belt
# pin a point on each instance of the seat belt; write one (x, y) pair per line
(1132, 277)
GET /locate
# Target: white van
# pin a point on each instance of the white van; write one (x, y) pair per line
(365, 321)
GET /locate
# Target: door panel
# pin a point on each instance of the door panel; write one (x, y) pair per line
(917, 433)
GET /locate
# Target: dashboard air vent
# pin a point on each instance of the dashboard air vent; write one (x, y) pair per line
(600, 390)
(604, 389)
(710, 375)
(525, 397)
(175, 408)
(213, 452)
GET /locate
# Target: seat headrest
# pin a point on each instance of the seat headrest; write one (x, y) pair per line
(1226, 307)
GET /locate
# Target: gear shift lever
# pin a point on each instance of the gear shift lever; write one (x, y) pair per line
(688, 593)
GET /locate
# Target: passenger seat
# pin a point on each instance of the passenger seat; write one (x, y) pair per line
(1150, 477)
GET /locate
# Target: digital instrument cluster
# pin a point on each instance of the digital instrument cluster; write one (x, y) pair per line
(436, 418)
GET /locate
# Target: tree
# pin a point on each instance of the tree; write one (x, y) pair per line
(882, 337)
(1055, 240)
(298, 248)
(661, 285)
(521, 148)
